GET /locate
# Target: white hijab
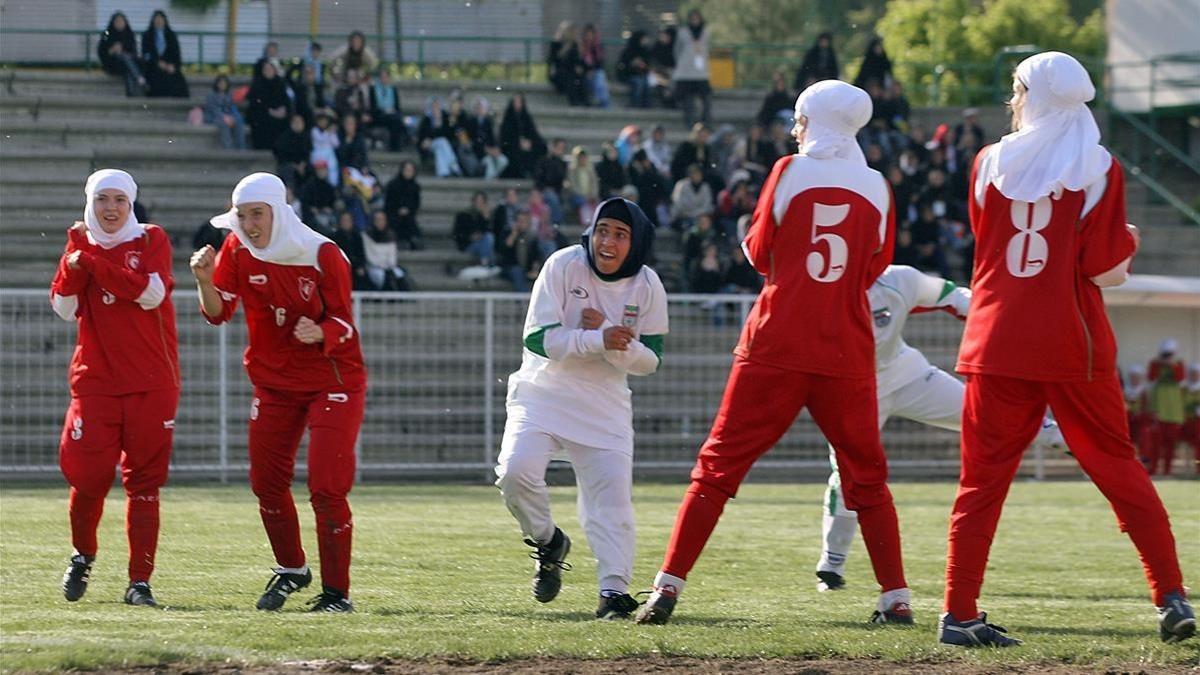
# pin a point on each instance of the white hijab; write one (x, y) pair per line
(1058, 145)
(292, 242)
(110, 179)
(835, 111)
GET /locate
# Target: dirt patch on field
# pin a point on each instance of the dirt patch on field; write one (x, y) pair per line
(656, 664)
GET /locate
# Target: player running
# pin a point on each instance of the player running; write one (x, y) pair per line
(305, 362)
(114, 278)
(1047, 205)
(907, 386)
(821, 233)
(598, 313)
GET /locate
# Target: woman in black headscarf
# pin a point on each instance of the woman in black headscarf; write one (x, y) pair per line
(820, 63)
(118, 53)
(161, 59)
(633, 68)
(519, 139)
(269, 107)
(876, 66)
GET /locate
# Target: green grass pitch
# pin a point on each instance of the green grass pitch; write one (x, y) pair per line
(440, 572)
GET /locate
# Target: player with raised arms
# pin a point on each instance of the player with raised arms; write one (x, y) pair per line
(598, 313)
(1047, 205)
(821, 234)
(114, 279)
(305, 362)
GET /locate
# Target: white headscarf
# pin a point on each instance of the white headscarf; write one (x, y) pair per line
(292, 242)
(835, 111)
(110, 179)
(1058, 144)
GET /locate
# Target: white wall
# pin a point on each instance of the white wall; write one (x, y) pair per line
(1139, 30)
(1148, 309)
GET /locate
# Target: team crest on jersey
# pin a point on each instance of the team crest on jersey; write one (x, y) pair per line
(133, 260)
(629, 316)
(883, 317)
(306, 287)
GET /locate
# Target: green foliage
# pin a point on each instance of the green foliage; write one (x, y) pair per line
(440, 571)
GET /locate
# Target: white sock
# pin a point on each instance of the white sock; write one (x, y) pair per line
(668, 584)
(292, 570)
(890, 598)
(838, 533)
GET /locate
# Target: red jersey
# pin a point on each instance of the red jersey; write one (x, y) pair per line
(1035, 312)
(121, 297)
(275, 297)
(822, 232)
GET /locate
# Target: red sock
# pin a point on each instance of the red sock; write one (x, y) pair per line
(283, 529)
(141, 528)
(698, 516)
(881, 534)
(335, 530)
(85, 515)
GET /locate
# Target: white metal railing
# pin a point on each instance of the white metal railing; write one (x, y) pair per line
(438, 366)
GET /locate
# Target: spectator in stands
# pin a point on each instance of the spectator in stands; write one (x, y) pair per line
(519, 139)
(970, 122)
(695, 238)
(610, 172)
(875, 157)
(927, 242)
(651, 186)
(658, 150)
(270, 55)
(118, 54)
(464, 152)
(220, 111)
(693, 151)
(706, 274)
(361, 194)
(1140, 414)
(318, 197)
(549, 176)
(352, 146)
(434, 138)
(473, 231)
(379, 248)
(734, 202)
(740, 276)
(209, 235)
(1166, 376)
(494, 162)
(161, 59)
(724, 157)
(633, 68)
(902, 193)
(583, 185)
(820, 63)
(778, 103)
(591, 50)
(543, 225)
(309, 93)
(311, 59)
(268, 108)
(566, 67)
(350, 240)
(292, 150)
(354, 55)
(325, 139)
(876, 67)
(898, 105)
(691, 198)
(386, 115)
(691, 69)
(662, 65)
(628, 141)
(517, 252)
(353, 97)
(758, 155)
(481, 126)
(402, 201)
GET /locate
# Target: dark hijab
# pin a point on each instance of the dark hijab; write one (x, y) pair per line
(641, 239)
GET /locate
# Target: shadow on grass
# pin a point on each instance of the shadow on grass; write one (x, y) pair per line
(1058, 594)
(1089, 631)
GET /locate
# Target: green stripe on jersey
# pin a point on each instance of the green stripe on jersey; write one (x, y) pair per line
(535, 341)
(655, 343)
(947, 288)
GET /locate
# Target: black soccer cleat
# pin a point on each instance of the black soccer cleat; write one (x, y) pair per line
(332, 601)
(899, 613)
(657, 609)
(282, 585)
(830, 581)
(75, 579)
(139, 595)
(1176, 620)
(974, 633)
(616, 607)
(547, 571)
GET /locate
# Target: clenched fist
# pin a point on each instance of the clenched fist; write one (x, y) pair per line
(202, 264)
(617, 338)
(308, 332)
(592, 319)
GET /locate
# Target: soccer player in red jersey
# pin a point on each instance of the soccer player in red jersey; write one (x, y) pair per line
(821, 234)
(115, 280)
(305, 362)
(1047, 205)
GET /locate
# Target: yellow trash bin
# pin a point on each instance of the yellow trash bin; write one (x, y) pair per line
(721, 72)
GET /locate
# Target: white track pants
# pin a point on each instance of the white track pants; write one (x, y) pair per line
(605, 481)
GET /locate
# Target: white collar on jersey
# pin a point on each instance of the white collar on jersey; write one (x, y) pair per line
(1058, 144)
(835, 111)
(110, 179)
(292, 242)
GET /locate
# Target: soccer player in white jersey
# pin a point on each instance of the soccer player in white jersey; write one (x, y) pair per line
(907, 386)
(597, 315)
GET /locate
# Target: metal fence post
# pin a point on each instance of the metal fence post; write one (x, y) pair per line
(1039, 462)
(421, 57)
(87, 52)
(489, 374)
(528, 61)
(356, 303)
(223, 400)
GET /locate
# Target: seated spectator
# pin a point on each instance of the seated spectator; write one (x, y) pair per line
(520, 141)
(270, 55)
(312, 59)
(628, 142)
(505, 213)
(549, 176)
(456, 116)
(354, 55)
(820, 63)
(904, 252)
(324, 139)
(633, 68)
(658, 150)
(733, 203)
(927, 243)
(494, 162)
(473, 232)
(695, 238)
(309, 94)
(758, 155)
(545, 229)
(875, 158)
(362, 194)
(565, 63)
(778, 104)
(350, 240)
(591, 50)
(464, 152)
(292, 150)
(385, 110)
(899, 106)
(161, 61)
(970, 122)
(353, 98)
(610, 172)
(119, 55)
(220, 111)
(706, 274)
(352, 146)
(481, 126)
(938, 196)
(268, 108)
(740, 276)
(518, 253)
(402, 201)
(653, 197)
(690, 77)
(209, 235)
(902, 193)
(434, 138)
(318, 197)
(662, 66)
(693, 151)
(584, 185)
(876, 67)
(379, 247)
(691, 198)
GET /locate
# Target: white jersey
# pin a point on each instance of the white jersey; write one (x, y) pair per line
(893, 296)
(568, 384)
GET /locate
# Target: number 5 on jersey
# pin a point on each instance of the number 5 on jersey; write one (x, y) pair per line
(828, 269)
